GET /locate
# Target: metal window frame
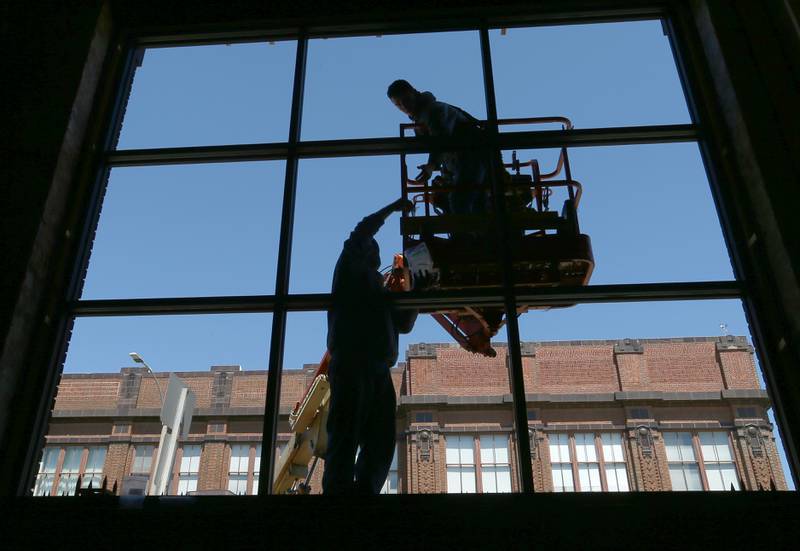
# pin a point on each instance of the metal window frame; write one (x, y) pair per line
(294, 149)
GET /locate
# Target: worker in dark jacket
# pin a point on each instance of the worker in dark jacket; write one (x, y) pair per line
(461, 169)
(363, 328)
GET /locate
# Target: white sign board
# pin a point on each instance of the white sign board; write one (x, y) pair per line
(176, 413)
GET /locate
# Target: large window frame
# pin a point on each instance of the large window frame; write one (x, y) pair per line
(586, 459)
(696, 455)
(282, 301)
(61, 479)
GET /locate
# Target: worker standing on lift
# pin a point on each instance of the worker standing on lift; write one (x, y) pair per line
(363, 328)
(464, 169)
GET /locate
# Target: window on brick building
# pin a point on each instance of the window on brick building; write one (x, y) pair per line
(47, 472)
(93, 472)
(614, 460)
(189, 469)
(390, 486)
(598, 460)
(460, 458)
(70, 471)
(256, 468)
(238, 469)
(683, 468)
(588, 463)
(495, 464)
(61, 468)
(701, 461)
(718, 464)
(561, 463)
(142, 459)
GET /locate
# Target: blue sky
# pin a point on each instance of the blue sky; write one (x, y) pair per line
(212, 229)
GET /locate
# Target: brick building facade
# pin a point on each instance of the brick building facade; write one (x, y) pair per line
(629, 415)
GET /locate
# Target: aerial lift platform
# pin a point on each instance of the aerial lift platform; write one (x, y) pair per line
(548, 250)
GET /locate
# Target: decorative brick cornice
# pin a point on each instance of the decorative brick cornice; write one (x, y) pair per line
(222, 385)
(422, 350)
(628, 346)
(731, 343)
(130, 385)
(528, 349)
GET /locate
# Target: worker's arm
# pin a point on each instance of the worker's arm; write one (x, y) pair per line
(359, 245)
(369, 226)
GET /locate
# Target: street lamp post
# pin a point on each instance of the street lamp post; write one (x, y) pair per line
(139, 360)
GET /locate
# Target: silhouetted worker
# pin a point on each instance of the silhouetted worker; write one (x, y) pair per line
(363, 330)
(463, 169)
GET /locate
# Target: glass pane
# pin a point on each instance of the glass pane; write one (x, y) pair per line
(453, 480)
(559, 447)
(714, 476)
(72, 460)
(347, 80)
(222, 361)
(334, 195)
(188, 230)
(489, 479)
(96, 459)
(714, 446)
(634, 224)
(672, 444)
(468, 482)
(606, 74)
(612, 447)
(682, 361)
(692, 474)
(458, 390)
(240, 457)
(210, 95)
(729, 476)
(466, 450)
(504, 479)
(49, 460)
(686, 447)
(390, 486)
(186, 484)
(589, 477)
(487, 448)
(143, 459)
(452, 454)
(562, 477)
(44, 485)
(501, 449)
(190, 462)
(585, 447)
(237, 484)
(617, 477)
(67, 484)
(676, 475)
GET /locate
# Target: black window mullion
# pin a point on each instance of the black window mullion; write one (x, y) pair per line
(489, 297)
(316, 149)
(502, 233)
(272, 400)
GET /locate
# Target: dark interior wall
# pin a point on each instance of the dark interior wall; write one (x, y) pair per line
(750, 54)
(52, 53)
